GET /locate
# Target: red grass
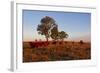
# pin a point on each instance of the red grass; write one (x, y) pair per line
(55, 51)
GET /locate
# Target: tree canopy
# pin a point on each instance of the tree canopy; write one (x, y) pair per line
(62, 35)
(54, 33)
(45, 26)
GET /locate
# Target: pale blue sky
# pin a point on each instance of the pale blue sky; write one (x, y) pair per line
(77, 25)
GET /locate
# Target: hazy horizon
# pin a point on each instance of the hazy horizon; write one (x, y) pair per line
(77, 25)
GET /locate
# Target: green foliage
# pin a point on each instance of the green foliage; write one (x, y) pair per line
(47, 20)
(45, 26)
(54, 33)
(62, 35)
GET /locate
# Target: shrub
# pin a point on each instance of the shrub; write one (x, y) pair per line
(81, 42)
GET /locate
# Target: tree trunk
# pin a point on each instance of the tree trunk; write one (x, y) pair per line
(62, 41)
(47, 39)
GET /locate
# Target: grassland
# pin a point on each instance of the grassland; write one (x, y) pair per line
(55, 51)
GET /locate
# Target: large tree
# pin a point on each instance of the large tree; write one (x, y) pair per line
(46, 24)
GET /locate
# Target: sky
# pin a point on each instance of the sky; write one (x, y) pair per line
(77, 25)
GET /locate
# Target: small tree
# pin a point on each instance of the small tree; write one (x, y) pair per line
(62, 35)
(81, 42)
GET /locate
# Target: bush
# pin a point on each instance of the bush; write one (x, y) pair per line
(81, 42)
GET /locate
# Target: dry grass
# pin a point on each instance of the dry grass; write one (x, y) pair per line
(56, 51)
